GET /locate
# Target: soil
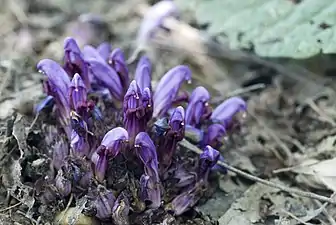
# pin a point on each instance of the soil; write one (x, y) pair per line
(290, 119)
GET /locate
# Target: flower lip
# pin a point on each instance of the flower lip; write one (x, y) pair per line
(116, 134)
(197, 105)
(143, 73)
(225, 111)
(168, 87)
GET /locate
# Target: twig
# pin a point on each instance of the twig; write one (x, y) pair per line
(295, 217)
(188, 145)
(66, 208)
(10, 207)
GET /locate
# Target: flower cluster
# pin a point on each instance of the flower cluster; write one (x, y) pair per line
(92, 92)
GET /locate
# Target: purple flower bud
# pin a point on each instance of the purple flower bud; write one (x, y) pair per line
(121, 210)
(104, 202)
(105, 76)
(60, 152)
(78, 93)
(153, 20)
(90, 52)
(104, 50)
(62, 184)
(174, 134)
(118, 63)
(79, 145)
(168, 87)
(74, 62)
(100, 161)
(215, 135)
(207, 160)
(196, 106)
(143, 73)
(115, 140)
(57, 85)
(150, 181)
(225, 112)
(134, 112)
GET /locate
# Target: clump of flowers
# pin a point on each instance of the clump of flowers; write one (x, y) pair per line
(117, 135)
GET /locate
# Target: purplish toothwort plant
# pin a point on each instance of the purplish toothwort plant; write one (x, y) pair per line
(106, 117)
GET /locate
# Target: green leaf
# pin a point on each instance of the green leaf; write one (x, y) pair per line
(274, 28)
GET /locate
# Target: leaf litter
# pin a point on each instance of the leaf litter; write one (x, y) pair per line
(280, 136)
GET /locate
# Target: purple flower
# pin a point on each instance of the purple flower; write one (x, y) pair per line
(215, 135)
(78, 94)
(74, 62)
(105, 76)
(150, 181)
(104, 202)
(225, 112)
(115, 141)
(174, 134)
(197, 106)
(153, 20)
(79, 145)
(90, 52)
(118, 63)
(45, 103)
(57, 85)
(104, 50)
(168, 87)
(134, 112)
(100, 160)
(143, 73)
(208, 159)
(121, 210)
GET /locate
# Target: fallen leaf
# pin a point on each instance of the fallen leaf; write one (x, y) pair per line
(322, 171)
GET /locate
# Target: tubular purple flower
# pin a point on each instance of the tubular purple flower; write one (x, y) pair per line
(100, 160)
(104, 49)
(208, 159)
(143, 73)
(78, 94)
(153, 20)
(197, 106)
(168, 143)
(121, 210)
(104, 203)
(134, 112)
(118, 63)
(57, 85)
(115, 140)
(79, 145)
(74, 62)
(105, 76)
(168, 87)
(90, 52)
(145, 148)
(150, 181)
(215, 135)
(225, 112)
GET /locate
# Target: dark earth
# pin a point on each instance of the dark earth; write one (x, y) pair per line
(291, 118)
